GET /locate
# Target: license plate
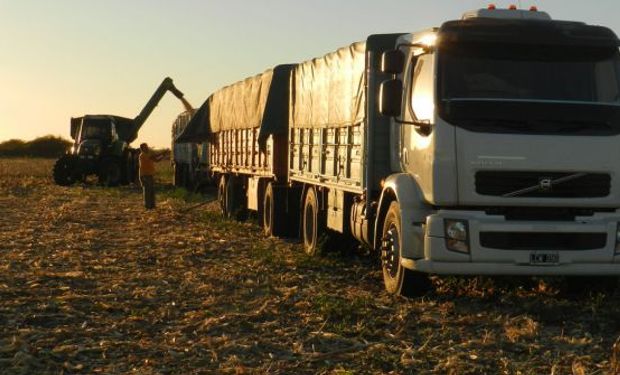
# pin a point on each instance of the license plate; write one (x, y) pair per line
(544, 259)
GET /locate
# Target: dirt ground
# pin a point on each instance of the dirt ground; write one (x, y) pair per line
(91, 283)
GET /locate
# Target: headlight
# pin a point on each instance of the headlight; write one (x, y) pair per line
(617, 251)
(457, 235)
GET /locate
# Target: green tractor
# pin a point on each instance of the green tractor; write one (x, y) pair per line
(101, 145)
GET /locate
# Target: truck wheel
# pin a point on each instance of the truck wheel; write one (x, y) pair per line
(187, 177)
(273, 212)
(313, 223)
(235, 207)
(110, 172)
(221, 195)
(397, 279)
(64, 171)
(176, 176)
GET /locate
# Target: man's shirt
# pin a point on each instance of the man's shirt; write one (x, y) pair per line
(147, 165)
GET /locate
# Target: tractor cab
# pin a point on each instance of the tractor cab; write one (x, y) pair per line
(93, 134)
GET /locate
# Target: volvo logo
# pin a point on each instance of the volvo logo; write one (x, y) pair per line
(545, 184)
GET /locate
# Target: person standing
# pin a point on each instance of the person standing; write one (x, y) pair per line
(147, 175)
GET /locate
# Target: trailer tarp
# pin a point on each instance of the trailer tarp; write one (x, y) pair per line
(276, 114)
(330, 91)
(240, 105)
(197, 129)
(260, 101)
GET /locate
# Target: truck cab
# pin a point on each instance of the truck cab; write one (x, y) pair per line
(505, 131)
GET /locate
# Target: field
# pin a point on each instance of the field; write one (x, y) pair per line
(91, 283)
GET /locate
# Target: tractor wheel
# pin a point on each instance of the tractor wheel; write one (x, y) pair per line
(110, 173)
(127, 174)
(64, 172)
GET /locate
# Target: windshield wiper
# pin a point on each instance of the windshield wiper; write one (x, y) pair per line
(503, 123)
(542, 125)
(576, 125)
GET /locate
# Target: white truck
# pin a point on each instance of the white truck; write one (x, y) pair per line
(489, 145)
(504, 137)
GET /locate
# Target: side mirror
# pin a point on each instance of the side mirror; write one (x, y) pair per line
(391, 98)
(393, 62)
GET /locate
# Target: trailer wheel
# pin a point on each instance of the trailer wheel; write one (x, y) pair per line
(235, 206)
(273, 212)
(221, 195)
(176, 175)
(397, 279)
(64, 171)
(313, 223)
(110, 173)
(188, 180)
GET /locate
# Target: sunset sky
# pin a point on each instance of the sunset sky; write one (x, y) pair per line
(67, 58)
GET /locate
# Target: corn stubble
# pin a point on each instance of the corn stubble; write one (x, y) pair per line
(91, 283)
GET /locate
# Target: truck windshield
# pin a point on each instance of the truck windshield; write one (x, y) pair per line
(531, 73)
(530, 89)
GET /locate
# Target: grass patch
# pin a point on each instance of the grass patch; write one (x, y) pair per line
(341, 309)
(183, 195)
(219, 223)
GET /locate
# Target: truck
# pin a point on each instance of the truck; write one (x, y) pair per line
(485, 146)
(102, 144)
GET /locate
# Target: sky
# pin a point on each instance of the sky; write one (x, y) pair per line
(66, 58)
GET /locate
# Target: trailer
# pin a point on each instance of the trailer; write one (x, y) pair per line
(485, 146)
(245, 127)
(188, 159)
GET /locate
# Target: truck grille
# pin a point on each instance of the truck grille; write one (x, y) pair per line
(543, 184)
(542, 241)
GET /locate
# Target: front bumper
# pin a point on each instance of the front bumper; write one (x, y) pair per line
(481, 260)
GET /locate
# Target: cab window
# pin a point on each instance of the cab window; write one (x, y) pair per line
(423, 89)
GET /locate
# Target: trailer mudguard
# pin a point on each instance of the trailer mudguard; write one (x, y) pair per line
(405, 190)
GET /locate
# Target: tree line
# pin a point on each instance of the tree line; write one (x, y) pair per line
(43, 147)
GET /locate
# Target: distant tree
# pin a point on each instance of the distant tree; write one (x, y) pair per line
(43, 147)
(47, 147)
(13, 147)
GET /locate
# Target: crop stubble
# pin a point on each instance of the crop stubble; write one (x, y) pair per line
(91, 283)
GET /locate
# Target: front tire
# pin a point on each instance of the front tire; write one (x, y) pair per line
(64, 171)
(397, 279)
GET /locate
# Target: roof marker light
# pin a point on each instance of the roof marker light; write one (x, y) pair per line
(512, 7)
(491, 7)
(533, 8)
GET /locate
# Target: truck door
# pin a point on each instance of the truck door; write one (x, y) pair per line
(419, 105)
